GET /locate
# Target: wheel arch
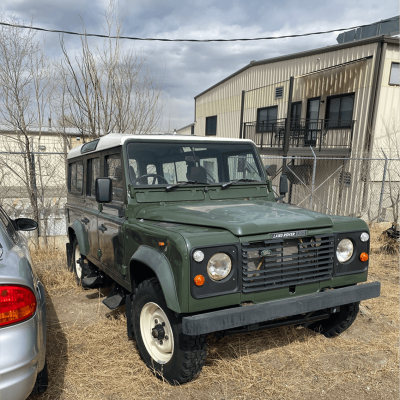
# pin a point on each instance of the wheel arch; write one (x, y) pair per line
(78, 231)
(147, 263)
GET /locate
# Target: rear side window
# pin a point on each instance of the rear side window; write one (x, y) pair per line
(76, 177)
(8, 226)
(93, 172)
(114, 171)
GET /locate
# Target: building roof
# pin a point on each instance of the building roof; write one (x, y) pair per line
(118, 139)
(327, 49)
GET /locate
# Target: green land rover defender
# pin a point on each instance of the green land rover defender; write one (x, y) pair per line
(192, 238)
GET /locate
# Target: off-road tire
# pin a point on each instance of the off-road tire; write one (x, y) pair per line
(42, 381)
(85, 271)
(189, 353)
(337, 323)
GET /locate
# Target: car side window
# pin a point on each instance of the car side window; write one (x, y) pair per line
(8, 226)
(113, 166)
(93, 172)
(76, 177)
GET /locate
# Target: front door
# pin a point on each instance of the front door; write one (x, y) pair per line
(111, 218)
(312, 125)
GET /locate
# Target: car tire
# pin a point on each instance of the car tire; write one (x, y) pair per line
(337, 323)
(171, 355)
(79, 271)
(42, 381)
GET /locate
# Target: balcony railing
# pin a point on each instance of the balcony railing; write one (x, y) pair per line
(320, 134)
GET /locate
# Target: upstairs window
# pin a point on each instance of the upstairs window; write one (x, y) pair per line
(339, 111)
(394, 74)
(75, 177)
(266, 119)
(211, 126)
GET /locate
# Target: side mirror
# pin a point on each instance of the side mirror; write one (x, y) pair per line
(25, 224)
(283, 185)
(103, 189)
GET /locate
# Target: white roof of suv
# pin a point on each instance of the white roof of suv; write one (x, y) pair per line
(117, 139)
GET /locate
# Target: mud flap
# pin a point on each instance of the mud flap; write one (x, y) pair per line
(69, 256)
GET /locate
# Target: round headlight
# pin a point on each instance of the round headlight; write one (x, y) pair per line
(198, 256)
(344, 250)
(364, 237)
(219, 266)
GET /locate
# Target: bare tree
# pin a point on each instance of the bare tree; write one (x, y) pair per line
(25, 91)
(108, 88)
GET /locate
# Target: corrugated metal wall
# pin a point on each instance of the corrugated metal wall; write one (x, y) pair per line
(225, 99)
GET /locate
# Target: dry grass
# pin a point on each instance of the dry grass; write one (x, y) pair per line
(51, 268)
(97, 361)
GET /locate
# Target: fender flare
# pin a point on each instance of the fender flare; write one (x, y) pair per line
(160, 265)
(82, 237)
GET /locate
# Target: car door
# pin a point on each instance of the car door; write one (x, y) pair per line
(111, 218)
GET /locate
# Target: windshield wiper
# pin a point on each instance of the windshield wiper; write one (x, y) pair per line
(170, 187)
(225, 185)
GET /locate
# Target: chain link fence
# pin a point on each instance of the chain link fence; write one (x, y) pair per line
(364, 188)
(356, 187)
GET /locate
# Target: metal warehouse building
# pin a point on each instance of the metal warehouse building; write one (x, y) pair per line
(340, 101)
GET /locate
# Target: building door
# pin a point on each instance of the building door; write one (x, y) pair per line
(111, 218)
(312, 125)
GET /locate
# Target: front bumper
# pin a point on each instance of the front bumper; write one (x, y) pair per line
(241, 316)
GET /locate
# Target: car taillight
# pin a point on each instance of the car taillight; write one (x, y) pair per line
(17, 303)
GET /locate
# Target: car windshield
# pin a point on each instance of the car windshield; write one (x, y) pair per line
(166, 163)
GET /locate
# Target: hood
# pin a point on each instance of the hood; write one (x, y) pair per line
(240, 217)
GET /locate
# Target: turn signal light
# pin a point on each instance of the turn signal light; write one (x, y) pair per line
(364, 256)
(199, 280)
(17, 304)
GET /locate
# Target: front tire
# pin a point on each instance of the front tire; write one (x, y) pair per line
(168, 352)
(337, 323)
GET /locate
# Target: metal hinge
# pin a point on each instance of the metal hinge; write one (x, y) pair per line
(124, 269)
(98, 253)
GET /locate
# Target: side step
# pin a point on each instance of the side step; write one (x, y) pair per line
(92, 281)
(115, 299)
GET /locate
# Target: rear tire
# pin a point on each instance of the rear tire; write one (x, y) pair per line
(80, 272)
(168, 352)
(337, 323)
(42, 381)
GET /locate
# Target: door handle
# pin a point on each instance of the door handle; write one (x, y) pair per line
(85, 220)
(102, 228)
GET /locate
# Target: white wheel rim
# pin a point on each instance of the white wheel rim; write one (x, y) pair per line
(78, 267)
(160, 351)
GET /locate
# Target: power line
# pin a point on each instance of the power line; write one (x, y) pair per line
(184, 40)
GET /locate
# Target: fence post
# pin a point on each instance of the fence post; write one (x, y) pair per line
(313, 178)
(383, 186)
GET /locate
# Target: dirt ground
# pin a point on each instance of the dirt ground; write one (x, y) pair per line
(90, 356)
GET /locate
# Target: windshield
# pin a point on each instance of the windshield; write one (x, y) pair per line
(161, 163)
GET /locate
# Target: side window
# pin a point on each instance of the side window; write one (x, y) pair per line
(114, 171)
(8, 226)
(93, 172)
(133, 170)
(169, 172)
(211, 166)
(243, 167)
(175, 172)
(76, 177)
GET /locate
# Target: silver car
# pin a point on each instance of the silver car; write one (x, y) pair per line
(23, 367)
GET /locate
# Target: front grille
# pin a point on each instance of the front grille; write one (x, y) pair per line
(279, 263)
